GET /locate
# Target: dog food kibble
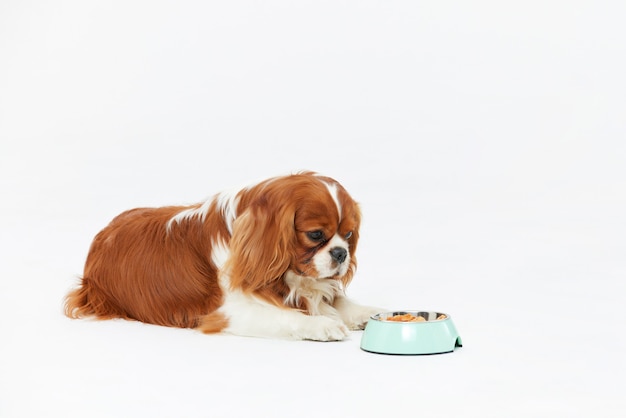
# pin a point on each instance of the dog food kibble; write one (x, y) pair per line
(411, 318)
(406, 318)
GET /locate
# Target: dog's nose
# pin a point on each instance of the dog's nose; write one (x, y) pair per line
(338, 254)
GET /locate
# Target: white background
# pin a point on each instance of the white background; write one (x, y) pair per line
(485, 142)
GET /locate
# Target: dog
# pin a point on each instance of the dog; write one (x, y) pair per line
(269, 260)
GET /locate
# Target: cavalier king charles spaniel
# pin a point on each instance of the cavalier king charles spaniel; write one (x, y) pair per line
(269, 260)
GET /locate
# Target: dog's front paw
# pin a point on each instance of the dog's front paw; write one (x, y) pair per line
(323, 328)
(356, 317)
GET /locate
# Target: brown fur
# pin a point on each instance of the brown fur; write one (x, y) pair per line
(138, 269)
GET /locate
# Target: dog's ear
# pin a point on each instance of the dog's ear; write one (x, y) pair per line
(353, 241)
(261, 247)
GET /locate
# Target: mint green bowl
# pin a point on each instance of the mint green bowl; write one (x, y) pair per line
(431, 336)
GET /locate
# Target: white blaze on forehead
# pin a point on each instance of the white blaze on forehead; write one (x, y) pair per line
(334, 193)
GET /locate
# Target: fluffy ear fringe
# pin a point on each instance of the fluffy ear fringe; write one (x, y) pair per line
(260, 249)
(347, 278)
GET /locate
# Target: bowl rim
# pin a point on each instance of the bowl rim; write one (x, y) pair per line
(414, 312)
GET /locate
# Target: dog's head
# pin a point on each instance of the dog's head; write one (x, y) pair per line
(305, 224)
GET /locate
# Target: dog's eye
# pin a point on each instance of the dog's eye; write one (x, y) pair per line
(348, 235)
(315, 235)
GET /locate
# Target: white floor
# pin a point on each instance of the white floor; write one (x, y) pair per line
(485, 142)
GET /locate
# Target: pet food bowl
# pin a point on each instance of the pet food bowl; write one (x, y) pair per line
(429, 333)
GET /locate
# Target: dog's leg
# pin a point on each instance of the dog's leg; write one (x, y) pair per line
(353, 315)
(249, 316)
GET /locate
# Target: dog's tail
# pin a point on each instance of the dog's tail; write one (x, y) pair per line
(77, 302)
(87, 301)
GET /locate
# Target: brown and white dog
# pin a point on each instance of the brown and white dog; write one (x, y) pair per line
(268, 260)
